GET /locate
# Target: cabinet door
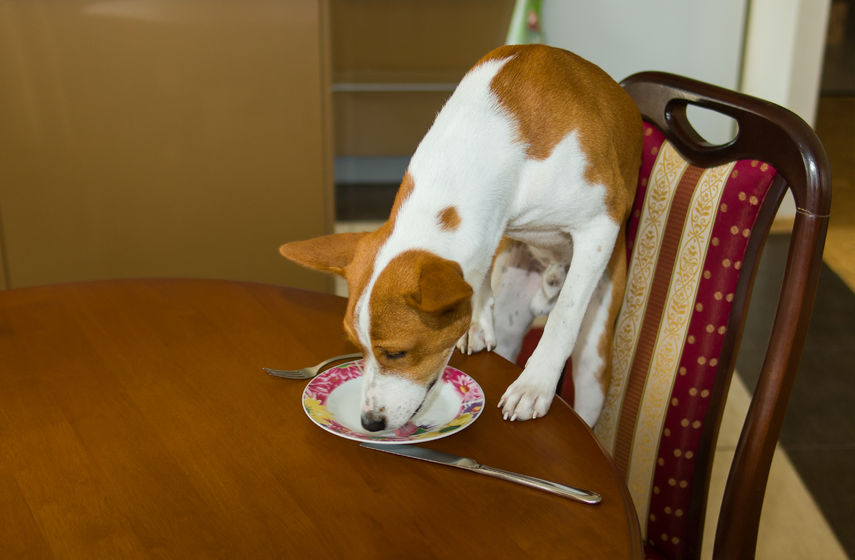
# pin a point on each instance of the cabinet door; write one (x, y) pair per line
(156, 138)
(395, 63)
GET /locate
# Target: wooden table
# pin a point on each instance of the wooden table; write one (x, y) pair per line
(135, 421)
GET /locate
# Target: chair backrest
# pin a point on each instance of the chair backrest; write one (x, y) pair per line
(701, 217)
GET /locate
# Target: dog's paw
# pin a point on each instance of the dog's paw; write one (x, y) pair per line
(480, 336)
(527, 398)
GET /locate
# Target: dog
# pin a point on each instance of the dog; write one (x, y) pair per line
(523, 183)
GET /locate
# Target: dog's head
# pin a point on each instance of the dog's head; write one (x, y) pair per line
(405, 314)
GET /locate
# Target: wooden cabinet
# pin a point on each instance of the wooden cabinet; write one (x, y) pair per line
(158, 138)
(192, 138)
(395, 63)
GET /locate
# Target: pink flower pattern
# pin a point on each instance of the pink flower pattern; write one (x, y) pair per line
(319, 389)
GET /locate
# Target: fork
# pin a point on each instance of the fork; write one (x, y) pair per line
(311, 371)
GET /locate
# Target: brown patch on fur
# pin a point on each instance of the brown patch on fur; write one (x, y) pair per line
(350, 255)
(617, 275)
(551, 92)
(420, 305)
(328, 253)
(404, 192)
(448, 218)
(505, 243)
(361, 267)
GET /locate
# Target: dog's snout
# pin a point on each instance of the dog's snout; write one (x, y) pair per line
(373, 422)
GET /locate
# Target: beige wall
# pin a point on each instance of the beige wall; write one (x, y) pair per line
(157, 138)
(783, 60)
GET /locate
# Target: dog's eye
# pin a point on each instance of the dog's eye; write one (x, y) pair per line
(394, 355)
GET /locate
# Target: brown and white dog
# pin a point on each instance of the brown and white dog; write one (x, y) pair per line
(535, 145)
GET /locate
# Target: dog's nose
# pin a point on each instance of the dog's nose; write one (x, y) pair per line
(373, 422)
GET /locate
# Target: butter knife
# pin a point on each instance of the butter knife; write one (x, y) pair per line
(470, 464)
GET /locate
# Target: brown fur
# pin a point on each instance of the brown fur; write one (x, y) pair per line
(420, 294)
(552, 92)
(448, 218)
(350, 255)
(425, 305)
(617, 274)
(422, 298)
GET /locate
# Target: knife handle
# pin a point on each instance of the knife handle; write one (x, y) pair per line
(540, 484)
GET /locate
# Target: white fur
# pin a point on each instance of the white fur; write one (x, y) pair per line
(398, 397)
(470, 159)
(589, 392)
(466, 158)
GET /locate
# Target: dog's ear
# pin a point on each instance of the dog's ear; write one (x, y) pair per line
(441, 286)
(329, 253)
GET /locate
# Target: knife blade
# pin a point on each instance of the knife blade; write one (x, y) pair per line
(470, 464)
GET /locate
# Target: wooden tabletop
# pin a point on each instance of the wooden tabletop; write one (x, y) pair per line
(135, 421)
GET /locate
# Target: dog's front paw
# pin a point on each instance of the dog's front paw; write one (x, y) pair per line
(480, 336)
(527, 398)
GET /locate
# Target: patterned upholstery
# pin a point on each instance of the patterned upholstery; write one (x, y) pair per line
(687, 239)
(692, 245)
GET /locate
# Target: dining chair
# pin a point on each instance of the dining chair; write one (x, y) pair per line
(701, 216)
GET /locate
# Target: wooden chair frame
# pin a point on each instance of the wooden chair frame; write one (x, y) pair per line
(778, 137)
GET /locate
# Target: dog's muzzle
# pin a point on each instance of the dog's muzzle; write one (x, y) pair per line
(373, 421)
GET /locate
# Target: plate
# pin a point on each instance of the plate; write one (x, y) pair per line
(331, 400)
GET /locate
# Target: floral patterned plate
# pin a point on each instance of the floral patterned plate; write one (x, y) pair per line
(332, 402)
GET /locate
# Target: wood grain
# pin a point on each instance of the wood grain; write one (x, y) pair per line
(135, 421)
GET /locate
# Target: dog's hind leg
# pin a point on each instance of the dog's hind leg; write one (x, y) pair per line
(592, 354)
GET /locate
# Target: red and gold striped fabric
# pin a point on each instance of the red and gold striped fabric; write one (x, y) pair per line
(687, 239)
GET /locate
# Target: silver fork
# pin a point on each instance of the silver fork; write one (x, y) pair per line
(311, 371)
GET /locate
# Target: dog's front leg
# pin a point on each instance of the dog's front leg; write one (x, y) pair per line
(481, 334)
(530, 396)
